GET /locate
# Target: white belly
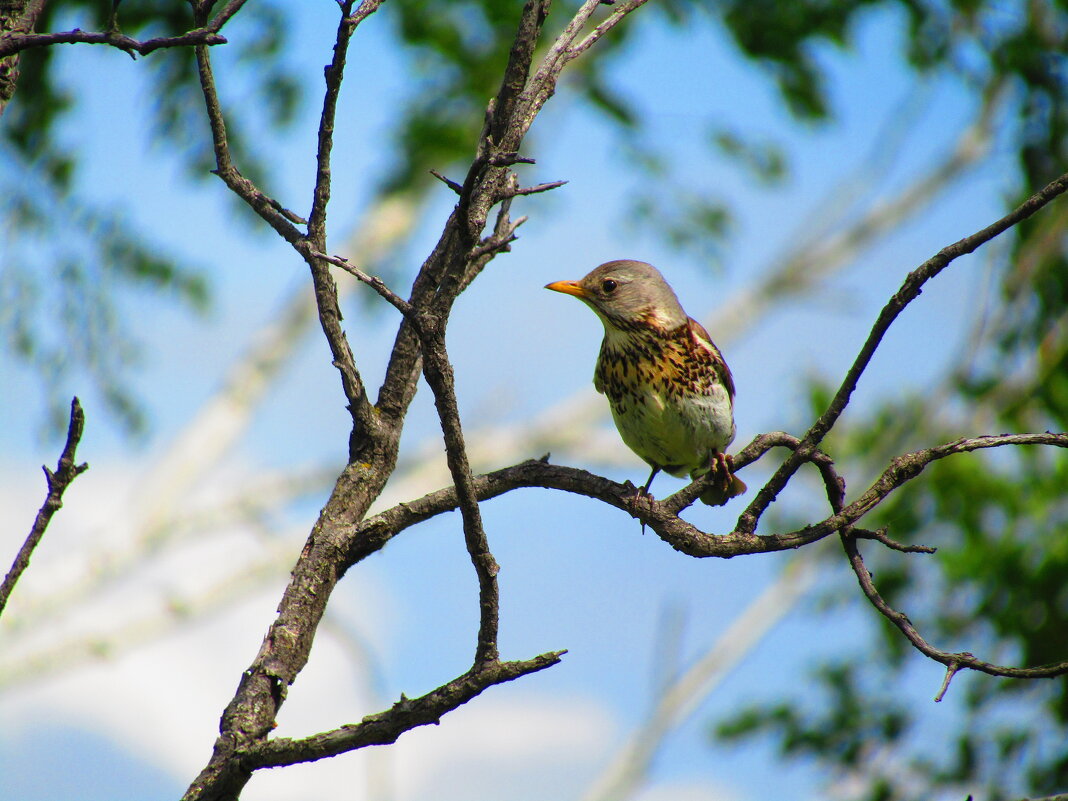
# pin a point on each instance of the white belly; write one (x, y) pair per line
(677, 435)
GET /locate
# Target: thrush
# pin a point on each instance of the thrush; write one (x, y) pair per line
(670, 391)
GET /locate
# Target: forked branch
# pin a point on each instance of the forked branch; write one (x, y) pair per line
(909, 291)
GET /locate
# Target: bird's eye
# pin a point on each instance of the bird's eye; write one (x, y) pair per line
(608, 286)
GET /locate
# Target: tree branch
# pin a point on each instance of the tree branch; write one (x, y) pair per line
(439, 375)
(908, 292)
(953, 661)
(206, 35)
(385, 727)
(903, 469)
(272, 212)
(58, 481)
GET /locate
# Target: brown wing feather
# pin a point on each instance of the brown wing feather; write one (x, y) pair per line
(698, 333)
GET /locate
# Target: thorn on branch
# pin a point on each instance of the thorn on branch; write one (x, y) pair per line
(507, 159)
(531, 190)
(455, 187)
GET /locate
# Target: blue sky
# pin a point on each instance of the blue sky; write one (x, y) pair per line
(574, 575)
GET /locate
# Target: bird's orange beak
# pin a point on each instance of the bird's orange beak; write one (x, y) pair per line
(568, 288)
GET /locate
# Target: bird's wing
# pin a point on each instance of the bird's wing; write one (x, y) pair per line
(701, 339)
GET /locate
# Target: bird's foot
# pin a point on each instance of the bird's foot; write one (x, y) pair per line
(638, 496)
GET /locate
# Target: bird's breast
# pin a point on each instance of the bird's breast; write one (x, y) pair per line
(667, 399)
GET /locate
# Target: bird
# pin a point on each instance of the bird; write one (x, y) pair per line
(667, 384)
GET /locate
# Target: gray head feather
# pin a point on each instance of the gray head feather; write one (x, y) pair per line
(631, 292)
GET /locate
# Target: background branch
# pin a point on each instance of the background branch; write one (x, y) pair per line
(66, 471)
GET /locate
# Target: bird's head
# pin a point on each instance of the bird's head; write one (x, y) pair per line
(625, 294)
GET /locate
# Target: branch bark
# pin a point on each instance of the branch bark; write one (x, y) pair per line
(17, 19)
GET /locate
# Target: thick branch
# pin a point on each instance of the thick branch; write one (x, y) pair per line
(18, 18)
(662, 517)
(58, 481)
(908, 292)
(199, 36)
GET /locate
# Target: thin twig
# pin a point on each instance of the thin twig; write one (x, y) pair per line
(58, 481)
(439, 375)
(960, 660)
(334, 72)
(455, 187)
(266, 207)
(373, 281)
(880, 535)
(533, 190)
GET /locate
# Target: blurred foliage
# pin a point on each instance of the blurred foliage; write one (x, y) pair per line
(999, 518)
(66, 264)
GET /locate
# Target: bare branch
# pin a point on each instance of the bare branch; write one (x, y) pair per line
(955, 661)
(385, 727)
(951, 671)
(617, 15)
(908, 292)
(58, 481)
(880, 535)
(205, 35)
(373, 281)
(662, 517)
(455, 187)
(533, 190)
(335, 71)
(439, 375)
(264, 206)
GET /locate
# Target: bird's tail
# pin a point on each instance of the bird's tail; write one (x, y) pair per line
(720, 493)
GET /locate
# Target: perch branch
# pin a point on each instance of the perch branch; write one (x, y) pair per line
(908, 292)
